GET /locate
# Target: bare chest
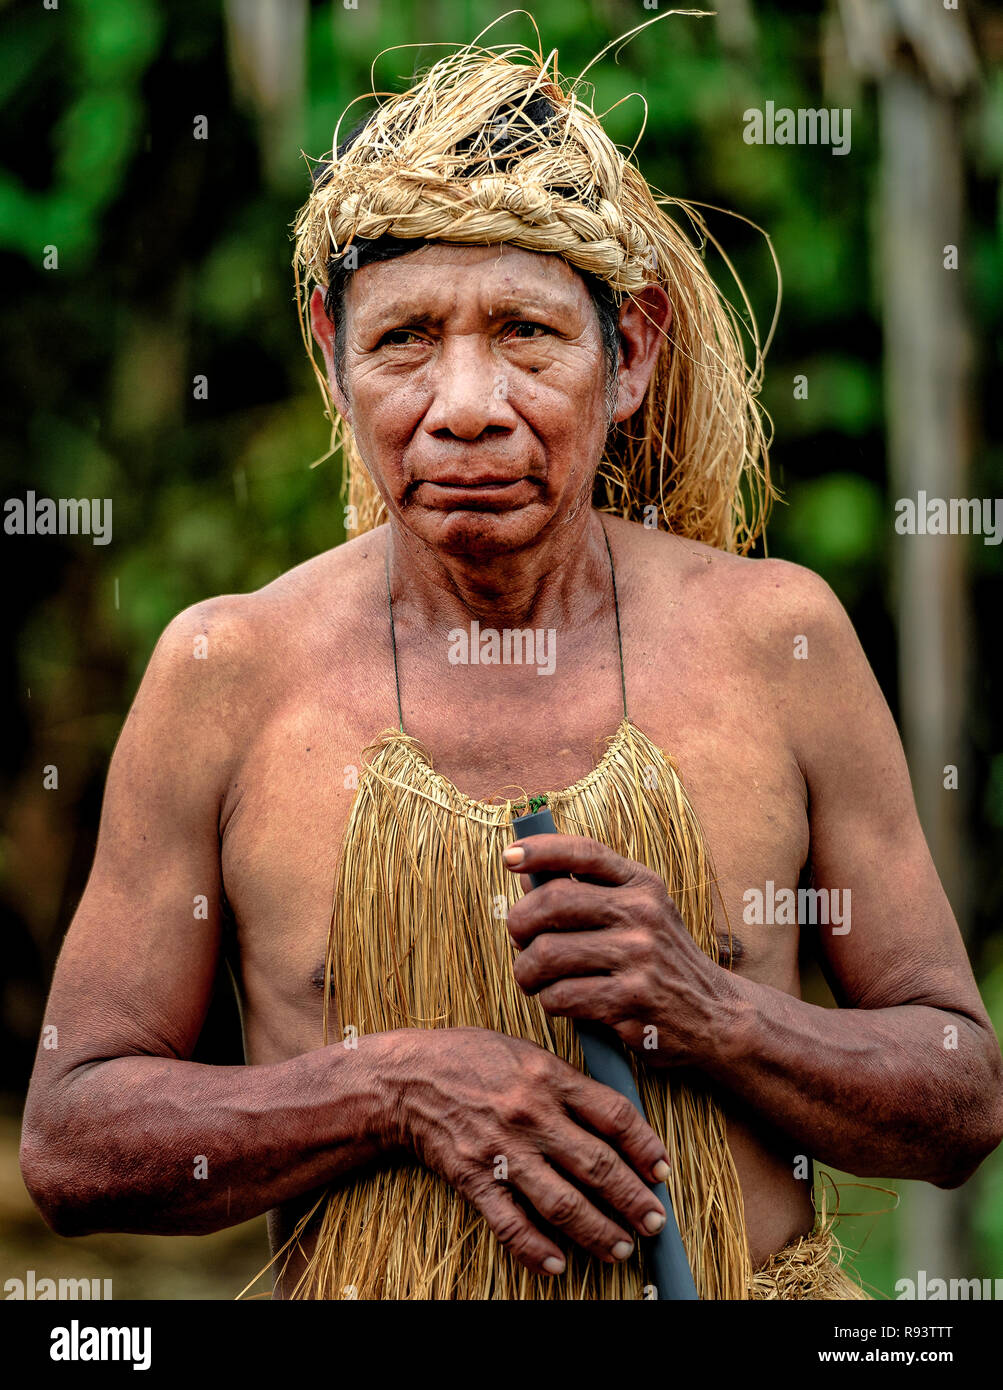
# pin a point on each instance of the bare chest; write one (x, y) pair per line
(492, 734)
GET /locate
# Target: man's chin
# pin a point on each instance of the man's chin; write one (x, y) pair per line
(478, 533)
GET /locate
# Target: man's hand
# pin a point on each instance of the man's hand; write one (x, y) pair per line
(528, 1139)
(610, 946)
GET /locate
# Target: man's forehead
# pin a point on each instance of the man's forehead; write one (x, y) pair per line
(429, 280)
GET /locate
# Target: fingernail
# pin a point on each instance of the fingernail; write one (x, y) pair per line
(621, 1249)
(660, 1171)
(654, 1221)
(513, 856)
(553, 1265)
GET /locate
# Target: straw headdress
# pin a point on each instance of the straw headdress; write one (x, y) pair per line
(465, 156)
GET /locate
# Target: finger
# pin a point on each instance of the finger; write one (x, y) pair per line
(598, 998)
(516, 1231)
(569, 854)
(565, 1207)
(600, 1168)
(555, 956)
(614, 1118)
(565, 905)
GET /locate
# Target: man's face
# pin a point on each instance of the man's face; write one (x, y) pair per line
(475, 383)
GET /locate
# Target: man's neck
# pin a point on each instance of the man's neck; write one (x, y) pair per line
(558, 582)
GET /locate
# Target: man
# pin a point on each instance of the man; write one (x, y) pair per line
(494, 287)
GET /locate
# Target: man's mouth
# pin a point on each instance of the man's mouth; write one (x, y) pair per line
(487, 491)
(473, 482)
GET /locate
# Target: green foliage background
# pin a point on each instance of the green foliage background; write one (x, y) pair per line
(173, 261)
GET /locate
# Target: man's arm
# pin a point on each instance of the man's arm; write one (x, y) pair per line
(905, 1078)
(117, 1117)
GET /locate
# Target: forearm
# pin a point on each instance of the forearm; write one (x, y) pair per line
(893, 1092)
(151, 1144)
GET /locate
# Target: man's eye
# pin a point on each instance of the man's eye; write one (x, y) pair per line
(527, 324)
(398, 337)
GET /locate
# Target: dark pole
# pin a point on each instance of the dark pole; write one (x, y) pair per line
(608, 1064)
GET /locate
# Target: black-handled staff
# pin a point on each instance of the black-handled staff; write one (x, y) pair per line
(607, 1063)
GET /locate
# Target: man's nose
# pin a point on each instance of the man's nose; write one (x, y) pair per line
(470, 391)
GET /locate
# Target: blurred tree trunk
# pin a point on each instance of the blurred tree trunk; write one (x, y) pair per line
(266, 45)
(922, 59)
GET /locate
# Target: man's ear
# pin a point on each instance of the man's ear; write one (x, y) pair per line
(645, 319)
(323, 332)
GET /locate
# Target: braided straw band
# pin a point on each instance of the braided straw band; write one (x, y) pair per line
(459, 157)
(494, 208)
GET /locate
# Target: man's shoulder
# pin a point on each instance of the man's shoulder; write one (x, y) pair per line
(755, 600)
(313, 594)
(766, 598)
(771, 632)
(227, 645)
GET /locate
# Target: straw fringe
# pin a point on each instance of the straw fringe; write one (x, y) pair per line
(810, 1267)
(416, 940)
(695, 453)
